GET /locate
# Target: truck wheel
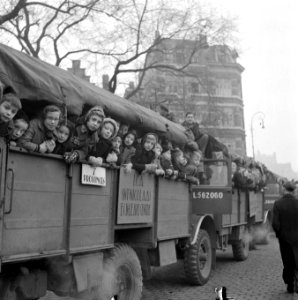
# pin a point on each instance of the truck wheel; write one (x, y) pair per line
(122, 277)
(241, 249)
(198, 260)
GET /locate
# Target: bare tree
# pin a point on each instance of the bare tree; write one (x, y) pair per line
(126, 37)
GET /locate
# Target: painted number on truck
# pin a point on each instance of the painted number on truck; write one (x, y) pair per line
(207, 195)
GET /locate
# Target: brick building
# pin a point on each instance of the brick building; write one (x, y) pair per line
(210, 86)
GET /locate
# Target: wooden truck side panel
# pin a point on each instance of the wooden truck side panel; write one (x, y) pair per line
(239, 208)
(34, 211)
(91, 212)
(173, 211)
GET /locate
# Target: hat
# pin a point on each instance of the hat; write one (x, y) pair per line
(95, 110)
(290, 186)
(114, 123)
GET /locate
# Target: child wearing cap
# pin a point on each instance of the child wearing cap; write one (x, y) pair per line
(85, 135)
(102, 151)
(142, 161)
(9, 106)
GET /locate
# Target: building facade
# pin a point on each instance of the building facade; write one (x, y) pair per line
(209, 84)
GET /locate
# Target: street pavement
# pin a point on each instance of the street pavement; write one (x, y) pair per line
(257, 278)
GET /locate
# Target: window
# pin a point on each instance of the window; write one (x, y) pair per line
(194, 87)
(236, 87)
(180, 58)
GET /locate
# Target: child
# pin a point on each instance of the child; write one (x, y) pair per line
(102, 151)
(9, 106)
(159, 170)
(40, 135)
(20, 125)
(166, 162)
(63, 136)
(142, 161)
(186, 171)
(123, 130)
(127, 150)
(85, 135)
(116, 146)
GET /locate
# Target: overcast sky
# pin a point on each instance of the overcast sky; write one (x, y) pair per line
(269, 49)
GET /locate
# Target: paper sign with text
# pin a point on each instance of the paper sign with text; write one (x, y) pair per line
(135, 198)
(93, 175)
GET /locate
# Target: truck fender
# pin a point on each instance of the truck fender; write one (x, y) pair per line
(205, 222)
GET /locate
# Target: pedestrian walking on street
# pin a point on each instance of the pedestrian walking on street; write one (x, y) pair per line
(285, 225)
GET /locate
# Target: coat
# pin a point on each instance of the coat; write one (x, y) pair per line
(285, 218)
(83, 140)
(101, 149)
(126, 153)
(142, 158)
(35, 135)
(6, 129)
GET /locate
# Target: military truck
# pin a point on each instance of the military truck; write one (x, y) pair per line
(95, 232)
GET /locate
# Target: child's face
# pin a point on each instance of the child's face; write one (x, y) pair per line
(129, 139)
(107, 130)
(51, 120)
(117, 143)
(167, 155)
(149, 144)
(157, 151)
(62, 134)
(181, 159)
(20, 126)
(7, 111)
(196, 160)
(123, 129)
(94, 122)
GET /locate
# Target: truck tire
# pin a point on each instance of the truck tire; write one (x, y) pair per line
(241, 249)
(122, 277)
(198, 260)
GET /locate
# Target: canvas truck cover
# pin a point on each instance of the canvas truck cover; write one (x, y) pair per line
(33, 79)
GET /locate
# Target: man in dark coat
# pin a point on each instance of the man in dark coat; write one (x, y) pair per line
(285, 225)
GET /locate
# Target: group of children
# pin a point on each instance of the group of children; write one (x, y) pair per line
(96, 139)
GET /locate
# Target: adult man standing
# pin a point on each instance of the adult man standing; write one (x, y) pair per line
(285, 225)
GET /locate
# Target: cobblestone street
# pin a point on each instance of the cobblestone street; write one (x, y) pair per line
(257, 278)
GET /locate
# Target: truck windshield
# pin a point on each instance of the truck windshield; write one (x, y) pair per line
(215, 173)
